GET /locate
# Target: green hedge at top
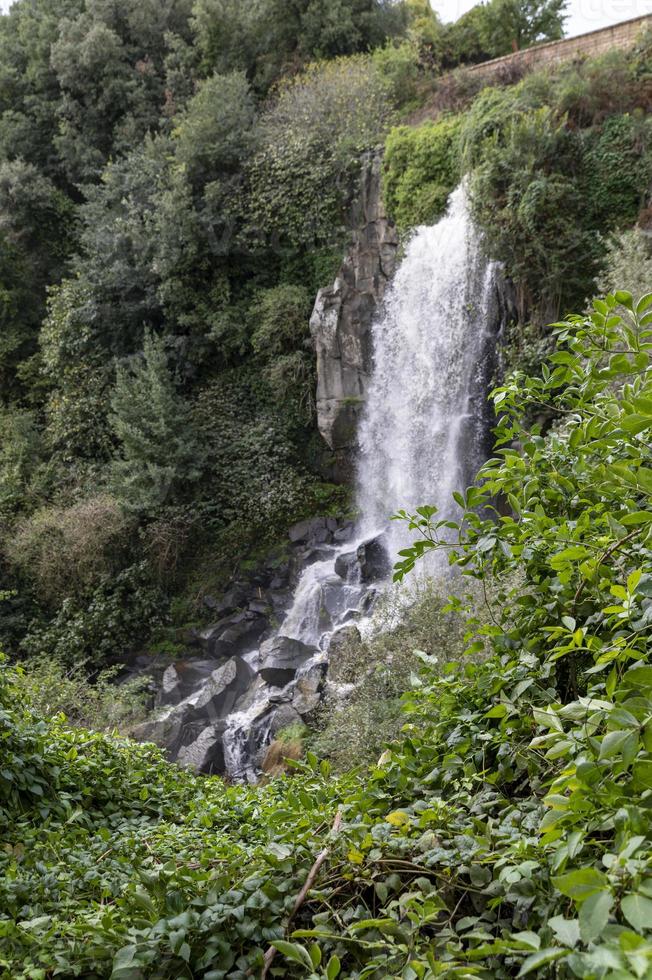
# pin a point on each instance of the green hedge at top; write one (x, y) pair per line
(421, 169)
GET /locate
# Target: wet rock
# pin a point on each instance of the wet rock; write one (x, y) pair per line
(368, 563)
(343, 314)
(181, 678)
(259, 606)
(165, 729)
(307, 690)
(343, 533)
(311, 532)
(206, 752)
(234, 634)
(232, 601)
(376, 563)
(280, 658)
(224, 687)
(285, 716)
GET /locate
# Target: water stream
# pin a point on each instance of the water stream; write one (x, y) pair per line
(423, 433)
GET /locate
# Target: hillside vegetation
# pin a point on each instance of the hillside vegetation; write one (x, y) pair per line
(177, 180)
(506, 833)
(175, 185)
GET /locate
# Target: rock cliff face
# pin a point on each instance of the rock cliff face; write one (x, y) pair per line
(343, 314)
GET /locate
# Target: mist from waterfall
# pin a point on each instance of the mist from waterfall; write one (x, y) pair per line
(425, 425)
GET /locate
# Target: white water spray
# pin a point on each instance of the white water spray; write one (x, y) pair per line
(425, 421)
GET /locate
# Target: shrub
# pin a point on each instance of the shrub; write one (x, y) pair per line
(159, 452)
(105, 627)
(69, 551)
(49, 688)
(309, 144)
(407, 628)
(279, 317)
(421, 168)
(21, 451)
(627, 263)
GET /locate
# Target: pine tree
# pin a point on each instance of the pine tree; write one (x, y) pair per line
(158, 447)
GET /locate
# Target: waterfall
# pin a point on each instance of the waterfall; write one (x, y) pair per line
(423, 434)
(425, 424)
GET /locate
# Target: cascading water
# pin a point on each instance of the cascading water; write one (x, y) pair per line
(422, 436)
(425, 424)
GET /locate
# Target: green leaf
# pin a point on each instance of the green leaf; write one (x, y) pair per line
(333, 968)
(294, 952)
(644, 303)
(567, 931)
(637, 909)
(636, 517)
(580, 884)
(541, 958)
(594, 915)
(612, 743)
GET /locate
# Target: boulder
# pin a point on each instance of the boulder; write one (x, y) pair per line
(183, 677)
(234, 634)
(285, 716)
(165, 729)
(205, 753)
(375, 563)
(224, 687)
(368, 563)
(311, 532)
(280, 658)
(307, 690)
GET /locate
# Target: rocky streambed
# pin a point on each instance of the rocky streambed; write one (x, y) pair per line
(262, 665)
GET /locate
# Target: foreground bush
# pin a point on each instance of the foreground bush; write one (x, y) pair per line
(510, 832)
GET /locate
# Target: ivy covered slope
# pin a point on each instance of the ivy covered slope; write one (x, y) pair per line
(507, 834)
(555, 162)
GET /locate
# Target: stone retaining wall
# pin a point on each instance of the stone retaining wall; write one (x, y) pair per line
(619, 36)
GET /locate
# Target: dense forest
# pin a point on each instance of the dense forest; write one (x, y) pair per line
(178, 180)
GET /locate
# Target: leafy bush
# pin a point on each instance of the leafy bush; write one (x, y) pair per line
(408, 630)
(309, 146)
(280, 319)
(421, 168)
(49, 688)
(21, 451)
(105, 626)
(69, 551)
(627, 262)
(214, 134)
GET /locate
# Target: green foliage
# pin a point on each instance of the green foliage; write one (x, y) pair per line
(506, 833)
(68, 551)
(21, 452)
(627, 262)
(214, 135)
(264, 38)
(542, 190)
(280, 318)
(49, 688)
(362, 711)
(421, 168)
(516, 24)
(309, 144)
(102, 626)
(158, 451)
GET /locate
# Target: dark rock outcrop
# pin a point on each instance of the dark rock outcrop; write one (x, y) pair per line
(343, 314)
